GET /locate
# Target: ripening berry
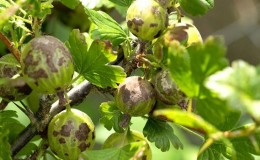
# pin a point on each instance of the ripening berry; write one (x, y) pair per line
(47, 64)
(146, 19)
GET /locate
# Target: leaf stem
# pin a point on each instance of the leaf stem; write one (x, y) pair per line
(10, 46)
(192, 132)
(23, 19)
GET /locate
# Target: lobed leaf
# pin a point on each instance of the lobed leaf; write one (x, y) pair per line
(5, 147)
(162, 134)
(218, 112)
(98, 71)
(108, 28)
(239, 86)
(190, 67)
(111, 116)
(126, 152)
(78, 48)
(92, 62)
(8, 122)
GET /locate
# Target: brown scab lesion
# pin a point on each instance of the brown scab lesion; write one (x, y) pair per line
(155, 10)
(38, 74)
(62, 141)
(61, 61)
(55, 133)
(83, 146)
(136, 23)
(66, 129)
(29, 60)
(154, 25)
(82, 133)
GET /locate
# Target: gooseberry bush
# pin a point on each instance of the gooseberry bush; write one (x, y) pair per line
(147, 65)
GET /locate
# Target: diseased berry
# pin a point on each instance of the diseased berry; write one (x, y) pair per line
(135, 96)
(185, 33)
(166, 89)
(70, 133)
(14, 89)
(47, 64)
(118, 140)
(146, 19)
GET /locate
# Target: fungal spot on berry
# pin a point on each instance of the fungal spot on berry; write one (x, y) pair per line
(163, 2)
(62, 140)
(29, 60)
(55, 133)
(49, 61)
(153, 24)
(126, 95)
(82, 133)
(137, 22)
(155, 11)
(129, 23)
(65, 130)
(83, 146)
(61, 61)
(39, 74)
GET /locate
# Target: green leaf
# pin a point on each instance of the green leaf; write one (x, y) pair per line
(218, 113)
(8, 121)
(9, 59)
(5, 147)
(70, 3)
(190, 68)
(126, 152)
(208, 58)
(196, 7)
(78, 48)
(111, 116)
(97, 70)
(214, 152)
(239, 85)
(108, 28)
(241, 147)
(187, 119)
(247, 144)
(124, 3)
(162, 134)
(179, 67)
(92, 62)
(41, 9)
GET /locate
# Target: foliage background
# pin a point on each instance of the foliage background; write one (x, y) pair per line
(237, 20)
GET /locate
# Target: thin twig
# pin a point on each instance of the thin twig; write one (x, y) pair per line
(10, 46)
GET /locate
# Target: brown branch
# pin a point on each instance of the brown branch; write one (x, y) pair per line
(76, 96)
(10, 46)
